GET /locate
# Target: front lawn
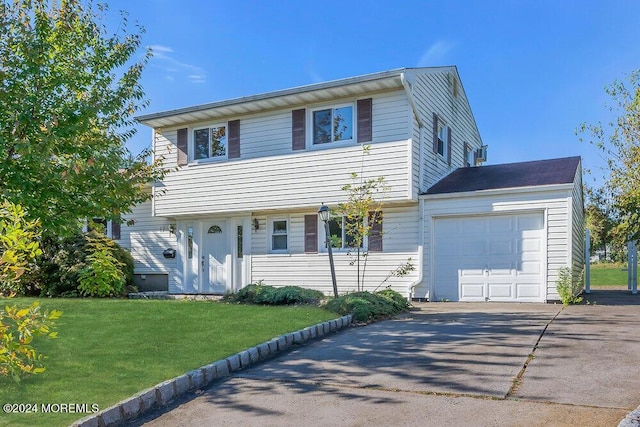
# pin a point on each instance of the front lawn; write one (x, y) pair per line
(608, 274)
(107, 350)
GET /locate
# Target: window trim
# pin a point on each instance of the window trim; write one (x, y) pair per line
(271, 234)
(192, 143)
(332, 106)
(445, 141)
(344, 249)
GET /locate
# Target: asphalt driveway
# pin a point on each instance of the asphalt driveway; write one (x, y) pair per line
(442, 364)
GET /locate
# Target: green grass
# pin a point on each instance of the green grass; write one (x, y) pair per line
(608, 274)
(107, 350)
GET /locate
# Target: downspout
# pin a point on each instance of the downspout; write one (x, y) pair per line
(407, 88)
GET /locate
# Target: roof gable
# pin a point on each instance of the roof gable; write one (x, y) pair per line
(510, 175)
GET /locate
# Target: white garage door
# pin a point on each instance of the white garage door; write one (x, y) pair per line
(489, 258)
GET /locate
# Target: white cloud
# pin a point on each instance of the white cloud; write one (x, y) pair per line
(174, 68)
(435, 54)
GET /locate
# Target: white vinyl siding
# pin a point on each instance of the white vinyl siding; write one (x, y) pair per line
(308, 178)
(433, 93)
(146, 239)
(555, 204)
(312, 270)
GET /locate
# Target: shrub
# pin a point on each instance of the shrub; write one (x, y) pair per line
(366, 306)
(102, 276)
(17, 330)
(18, 247)
(67, 265)
(259, 293)
(568, 288)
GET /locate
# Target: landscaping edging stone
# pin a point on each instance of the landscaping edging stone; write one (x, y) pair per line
(165, 392)
(632, 419)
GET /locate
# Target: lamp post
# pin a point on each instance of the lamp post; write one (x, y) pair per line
(323, 213)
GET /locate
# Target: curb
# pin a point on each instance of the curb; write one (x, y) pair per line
(632, 419)
(165, 392)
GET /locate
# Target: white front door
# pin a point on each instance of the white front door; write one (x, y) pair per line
(215, 258)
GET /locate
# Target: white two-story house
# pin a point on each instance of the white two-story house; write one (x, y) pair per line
(246, 177)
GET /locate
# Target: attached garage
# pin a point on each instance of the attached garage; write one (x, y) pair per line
(501, 233)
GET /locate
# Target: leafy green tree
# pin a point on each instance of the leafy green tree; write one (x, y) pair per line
(619, 141)
(602, 223)
(68, 93)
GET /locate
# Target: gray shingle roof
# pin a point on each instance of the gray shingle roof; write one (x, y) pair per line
(510, 175)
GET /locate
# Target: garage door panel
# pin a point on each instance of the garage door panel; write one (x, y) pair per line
(530, 291)
(501, 247)
(500, 291)
(530, 267)
(472, 291)
(530, 222)
(499, 224)
(496, 257)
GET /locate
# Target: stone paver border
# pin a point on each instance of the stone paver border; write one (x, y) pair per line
(165, 392)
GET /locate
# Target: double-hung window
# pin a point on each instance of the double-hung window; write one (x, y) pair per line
(333, 124)
(443, 139)
(341, 230)
(279, 235)
(210, 142)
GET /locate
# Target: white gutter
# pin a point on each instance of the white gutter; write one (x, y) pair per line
(410, 289)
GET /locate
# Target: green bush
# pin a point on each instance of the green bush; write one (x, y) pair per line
(367, 306)
(18, 327)
(261, 294)
(18, 247)
(66, 261)
(568, 288)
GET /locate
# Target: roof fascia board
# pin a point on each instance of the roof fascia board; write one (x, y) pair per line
(498, 191)
(145, 119)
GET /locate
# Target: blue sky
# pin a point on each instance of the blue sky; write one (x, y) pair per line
(533, 70)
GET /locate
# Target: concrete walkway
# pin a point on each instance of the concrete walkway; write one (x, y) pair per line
(442, 364)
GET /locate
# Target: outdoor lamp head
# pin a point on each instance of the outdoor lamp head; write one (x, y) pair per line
(323, 213)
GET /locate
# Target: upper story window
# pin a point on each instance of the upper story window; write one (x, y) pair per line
(443, 139)
(333, 124)
(210, 143)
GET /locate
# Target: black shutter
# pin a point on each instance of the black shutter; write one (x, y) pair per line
(465, 155)
(365, 120)
(435, 133)
(183, 153)
(375, 232)
(234, 139)
(311, 233)
(298, 129)
(449, 144)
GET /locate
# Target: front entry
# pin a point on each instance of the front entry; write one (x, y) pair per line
(215, 259)
(213, 256)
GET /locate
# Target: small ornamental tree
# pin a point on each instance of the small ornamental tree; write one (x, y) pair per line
(363, 211)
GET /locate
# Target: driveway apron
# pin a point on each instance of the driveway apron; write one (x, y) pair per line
(442, 364)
